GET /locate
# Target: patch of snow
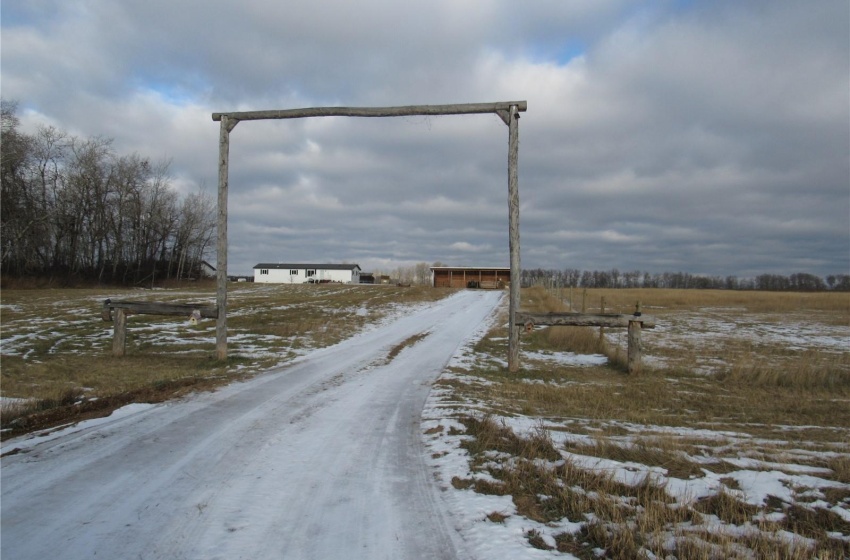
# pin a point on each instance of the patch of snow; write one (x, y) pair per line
(33, 440)
(568, 358)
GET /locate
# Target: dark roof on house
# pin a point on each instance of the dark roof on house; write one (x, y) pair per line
(302, 266)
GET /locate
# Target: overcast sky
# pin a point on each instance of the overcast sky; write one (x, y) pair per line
(699, 136)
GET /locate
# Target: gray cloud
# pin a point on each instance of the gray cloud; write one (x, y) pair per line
(709, 137)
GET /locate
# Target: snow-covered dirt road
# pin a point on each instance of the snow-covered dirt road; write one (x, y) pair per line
(322, 459)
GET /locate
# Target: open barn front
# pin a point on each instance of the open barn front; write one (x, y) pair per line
(470, 277)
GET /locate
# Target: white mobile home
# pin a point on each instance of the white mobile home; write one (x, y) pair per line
(289, 273)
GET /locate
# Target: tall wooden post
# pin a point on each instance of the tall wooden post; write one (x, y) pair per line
(227, 125)
(513, 230)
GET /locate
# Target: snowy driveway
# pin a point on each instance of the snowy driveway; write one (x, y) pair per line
(322, 459)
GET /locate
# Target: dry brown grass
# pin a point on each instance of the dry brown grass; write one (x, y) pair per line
(75, 405)
(811, 387)
(662, 301)
(657, 451)
(583, 340)
(626, 521)
(55, 343)
(659, 399)
(410, 341)
(763, 399)
(812, 370)
(840, 467)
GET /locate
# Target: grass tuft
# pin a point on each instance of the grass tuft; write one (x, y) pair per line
(536, 540)
(727, 508)
(410, 341)
(497, 517)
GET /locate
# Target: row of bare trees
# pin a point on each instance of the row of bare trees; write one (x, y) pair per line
(73, 208)
(420, 273)
(798, 282)
(416, 274)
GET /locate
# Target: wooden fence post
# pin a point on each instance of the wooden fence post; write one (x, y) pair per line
(227, 125)
(602, 329)
(513, 238)
(119, 335)
(634, 347)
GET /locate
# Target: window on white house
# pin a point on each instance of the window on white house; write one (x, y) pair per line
(264, 271)
(311, 273)
(293, 273)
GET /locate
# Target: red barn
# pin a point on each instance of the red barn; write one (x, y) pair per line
(470, 277)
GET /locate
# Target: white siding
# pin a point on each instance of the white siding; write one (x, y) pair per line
(343, 276)
(284, 276)
(272, 276)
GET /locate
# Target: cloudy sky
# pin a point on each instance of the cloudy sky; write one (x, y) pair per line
(700, 136)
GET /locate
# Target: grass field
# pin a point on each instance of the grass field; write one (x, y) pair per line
(57, 351)
(733, 443)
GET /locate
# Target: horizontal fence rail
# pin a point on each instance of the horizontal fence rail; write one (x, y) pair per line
(584, 319)
(155, 308)
(634, 323)
(122, 309)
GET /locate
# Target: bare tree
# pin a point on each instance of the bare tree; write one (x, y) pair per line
(72, 206)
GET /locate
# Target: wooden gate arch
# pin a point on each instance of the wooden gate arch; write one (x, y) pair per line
(508, 111)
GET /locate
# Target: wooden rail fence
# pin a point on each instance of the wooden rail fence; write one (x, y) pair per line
(116, 312)
(635, 323)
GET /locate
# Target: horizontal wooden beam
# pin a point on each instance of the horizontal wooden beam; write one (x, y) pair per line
(400, 111)
(584, 319)
(155, 308)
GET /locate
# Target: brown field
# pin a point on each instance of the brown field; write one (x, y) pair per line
(736, 387)
(57, 351)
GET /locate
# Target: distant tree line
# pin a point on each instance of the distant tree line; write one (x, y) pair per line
(420, 273)
(799, 282)
(72, 208)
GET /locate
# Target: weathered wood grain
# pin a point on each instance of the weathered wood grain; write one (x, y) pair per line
(634, 351)
(398, 111)
(513, 238)
(221, 248)
(119, 335)
(157, 308)
(584, 319)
